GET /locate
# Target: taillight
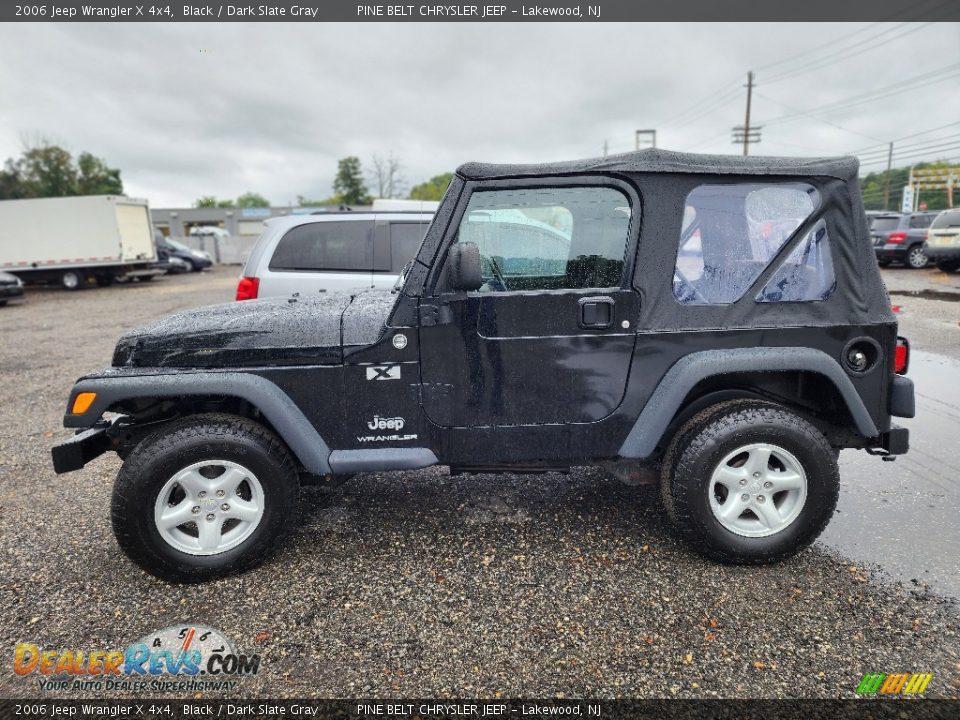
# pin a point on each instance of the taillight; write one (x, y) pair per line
(247, 288)
(896, 238)
(901, 356)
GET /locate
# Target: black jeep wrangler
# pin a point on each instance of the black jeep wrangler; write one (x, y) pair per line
(719, 321)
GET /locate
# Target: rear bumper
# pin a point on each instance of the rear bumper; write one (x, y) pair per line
(895, 253)
(942, 252)
(896, 441)
(902, 402)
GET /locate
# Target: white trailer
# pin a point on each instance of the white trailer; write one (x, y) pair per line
(77, 240)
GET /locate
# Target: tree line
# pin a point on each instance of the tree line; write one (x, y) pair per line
(47, 170)
(352, 185)
(874, 188)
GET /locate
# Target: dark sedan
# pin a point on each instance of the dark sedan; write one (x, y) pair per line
(11, 288)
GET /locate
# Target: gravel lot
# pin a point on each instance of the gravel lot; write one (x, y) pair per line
(421, 584)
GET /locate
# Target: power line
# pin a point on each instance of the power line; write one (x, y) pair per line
(910, 146)
(826, 122)
(845, 53)
(818, 48)
(913, 83)
(724, 89)
(906, 137)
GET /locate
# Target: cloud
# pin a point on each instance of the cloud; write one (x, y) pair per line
(196, 109)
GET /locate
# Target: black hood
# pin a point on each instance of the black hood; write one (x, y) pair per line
(273, 331)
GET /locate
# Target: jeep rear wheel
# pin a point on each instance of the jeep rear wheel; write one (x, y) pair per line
(750, 482)
(204, 497)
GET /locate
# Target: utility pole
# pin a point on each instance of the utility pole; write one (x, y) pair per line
(651, 136)
(747, 134)
(746, 122)
(886, 185)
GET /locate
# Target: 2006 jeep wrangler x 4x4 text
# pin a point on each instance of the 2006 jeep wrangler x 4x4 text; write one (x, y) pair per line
(720, 320)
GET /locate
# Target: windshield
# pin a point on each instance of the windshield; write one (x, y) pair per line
(948, 218)
(178, 245)
(885, 223)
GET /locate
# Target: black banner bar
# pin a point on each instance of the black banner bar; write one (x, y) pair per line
(493, 11)
(494, 709)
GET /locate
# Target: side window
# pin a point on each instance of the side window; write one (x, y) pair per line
(548, 238)
(920, 221)
(405, 240)
(335, 246)
(806, 273)
(731, 232)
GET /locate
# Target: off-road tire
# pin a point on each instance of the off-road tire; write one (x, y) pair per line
(916, 258)
(948, 266)
(175, 446)
(704, 440)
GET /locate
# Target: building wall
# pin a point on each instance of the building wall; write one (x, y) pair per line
(240, 222)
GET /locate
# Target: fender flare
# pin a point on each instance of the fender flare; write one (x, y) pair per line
(289, 421)
(684, 374)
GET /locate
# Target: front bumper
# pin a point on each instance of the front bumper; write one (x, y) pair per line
(83, 447)
(11, 292)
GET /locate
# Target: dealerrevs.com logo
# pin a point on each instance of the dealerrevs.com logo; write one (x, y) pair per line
(180, 658)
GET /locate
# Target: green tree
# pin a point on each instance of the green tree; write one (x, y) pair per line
(349, 187)
(210, 201)
(303, 201)
(251, 200)
(96, 178)
(873, 185)
(432, 189)
(10, 186)
(47, 171)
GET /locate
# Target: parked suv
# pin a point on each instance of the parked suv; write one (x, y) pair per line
(899, 238)
(331, 252)
(943, 241)
(716, 322)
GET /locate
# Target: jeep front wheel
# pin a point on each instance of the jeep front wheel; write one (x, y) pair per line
(750, 482)
(204, 497)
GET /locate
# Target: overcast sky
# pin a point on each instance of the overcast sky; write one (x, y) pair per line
(204, 109)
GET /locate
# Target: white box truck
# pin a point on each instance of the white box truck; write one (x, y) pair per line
(77, 240)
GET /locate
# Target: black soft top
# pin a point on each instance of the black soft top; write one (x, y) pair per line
(667, 161)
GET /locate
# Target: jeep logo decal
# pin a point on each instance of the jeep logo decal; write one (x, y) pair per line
(379, 423)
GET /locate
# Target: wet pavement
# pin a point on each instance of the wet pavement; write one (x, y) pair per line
(905, 515)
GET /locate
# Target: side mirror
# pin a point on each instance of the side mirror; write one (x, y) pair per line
(465, 267)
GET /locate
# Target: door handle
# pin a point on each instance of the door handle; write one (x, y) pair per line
(596, 312)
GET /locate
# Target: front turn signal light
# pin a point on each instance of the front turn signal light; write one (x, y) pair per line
(82, 402)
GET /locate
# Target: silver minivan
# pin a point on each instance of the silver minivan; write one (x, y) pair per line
(332, 252)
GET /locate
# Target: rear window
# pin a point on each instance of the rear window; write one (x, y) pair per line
(885, 223)
(339, 246)
(948, 218)
(806, 274)
(920, 221)
(731, 233)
